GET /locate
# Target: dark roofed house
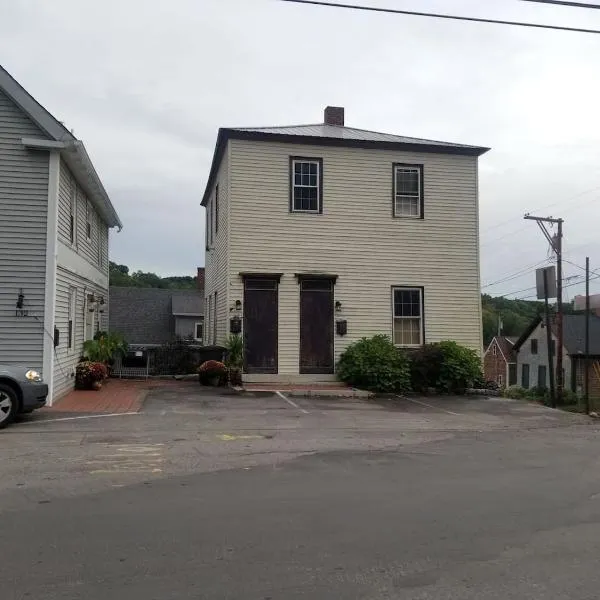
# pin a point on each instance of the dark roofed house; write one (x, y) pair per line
(151, 316)
(531, 350)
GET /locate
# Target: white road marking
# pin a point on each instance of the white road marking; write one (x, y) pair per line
(430, 406)
(76, 418)
(128, 458)
(291, 403)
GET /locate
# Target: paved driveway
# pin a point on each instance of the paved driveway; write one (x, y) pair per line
(216, 495)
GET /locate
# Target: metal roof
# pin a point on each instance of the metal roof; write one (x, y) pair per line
(340, 132)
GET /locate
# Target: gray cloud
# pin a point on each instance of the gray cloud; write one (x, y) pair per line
(146, 84)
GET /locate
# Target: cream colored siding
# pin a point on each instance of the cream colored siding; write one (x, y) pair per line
(217, 260)
(357, 239)
(66, 358)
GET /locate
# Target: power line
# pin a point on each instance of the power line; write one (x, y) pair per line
(511, 276)
(442, 16)
(565, 3)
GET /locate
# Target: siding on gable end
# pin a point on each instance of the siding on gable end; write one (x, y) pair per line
(23, 215)
(67, 358)
(216, 259)
(357, 239)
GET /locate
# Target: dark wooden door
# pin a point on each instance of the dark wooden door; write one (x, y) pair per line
(316, 326)
(260, 325)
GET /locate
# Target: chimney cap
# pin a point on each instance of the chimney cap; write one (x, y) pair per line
(334, 115)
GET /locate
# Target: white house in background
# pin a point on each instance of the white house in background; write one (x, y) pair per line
(54, 220)
(318, 235)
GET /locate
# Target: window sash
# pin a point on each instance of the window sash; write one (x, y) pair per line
(199, 327)
(407, 329)
(307, 181)
(407, 201)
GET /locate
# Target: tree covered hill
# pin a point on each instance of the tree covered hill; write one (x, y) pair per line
(119, 276)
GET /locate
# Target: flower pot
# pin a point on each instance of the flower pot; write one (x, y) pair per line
(214, 380)
(96, 385)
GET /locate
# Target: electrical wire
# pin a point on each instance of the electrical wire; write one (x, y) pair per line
(442, 16)
(567, 3)
(517, 274)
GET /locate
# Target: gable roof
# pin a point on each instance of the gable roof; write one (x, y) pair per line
(506, 346)
(189, 304)
(573, 333)
(331, 135)
(60, 138)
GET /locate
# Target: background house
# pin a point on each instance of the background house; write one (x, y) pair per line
(532, 354)
(54, 220)
(499, 361)
(318, 235)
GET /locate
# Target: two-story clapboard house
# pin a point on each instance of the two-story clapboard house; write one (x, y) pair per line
(54, 220)
(318, 235)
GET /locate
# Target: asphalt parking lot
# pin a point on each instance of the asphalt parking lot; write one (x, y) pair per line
(207, 494)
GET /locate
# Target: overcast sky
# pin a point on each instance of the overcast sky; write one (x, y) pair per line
(146, 84)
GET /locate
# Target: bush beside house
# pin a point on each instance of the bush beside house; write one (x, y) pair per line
(377, 365)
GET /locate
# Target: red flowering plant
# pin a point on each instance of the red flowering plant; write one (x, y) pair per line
(212, 372)
(90, 375)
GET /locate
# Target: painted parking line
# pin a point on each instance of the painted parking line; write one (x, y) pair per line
(39, 421)
(449, 412)
(291, 402)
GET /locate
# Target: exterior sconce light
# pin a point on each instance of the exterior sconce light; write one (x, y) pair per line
(338, 306)
(20, 299)
(238, 305)
(20, 310)
(101, 304)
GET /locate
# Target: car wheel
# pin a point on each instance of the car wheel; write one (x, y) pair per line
(9, 404)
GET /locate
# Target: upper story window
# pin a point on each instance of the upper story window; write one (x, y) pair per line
(534, 346)
(407, 313)
(494, 350)
(73, 213)
(408, 191)
(217, 208)
(88, 221)
(306, 184)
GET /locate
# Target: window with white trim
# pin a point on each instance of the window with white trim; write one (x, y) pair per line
(408, 191)
(73, 213)
(199, 331)
(306, 185)
(500, 380)
(88, 221)
(494, 350)
(71, 322)
(407, 312)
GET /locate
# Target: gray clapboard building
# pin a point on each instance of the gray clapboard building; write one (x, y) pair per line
(54, 220)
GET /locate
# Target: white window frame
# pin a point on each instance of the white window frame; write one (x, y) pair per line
(73, 213)
(421, 316)
(500, 380)
(319, 187)
(196, 325)
(494, 350)
(88, 221)
(418, 169)
(72, 308)
(209, 317)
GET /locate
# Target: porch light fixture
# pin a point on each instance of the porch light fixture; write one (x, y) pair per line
(238, 305)
(338, 306)
(20, 299)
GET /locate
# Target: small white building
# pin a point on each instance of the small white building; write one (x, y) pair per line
(54, 220)
(318, 235)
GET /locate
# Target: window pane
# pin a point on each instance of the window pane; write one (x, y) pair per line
(407, 303)
(407, 181)
(407, 332)
(407, 206)
(306, 198)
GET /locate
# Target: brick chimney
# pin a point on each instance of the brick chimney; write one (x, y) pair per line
(200, 278)
(334, 115)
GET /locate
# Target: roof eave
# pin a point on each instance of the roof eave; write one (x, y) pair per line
(78, 160)
(225, 134)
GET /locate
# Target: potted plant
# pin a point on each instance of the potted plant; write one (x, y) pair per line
(90, 375)
(211, 372)
(104, 347)
(235, 358)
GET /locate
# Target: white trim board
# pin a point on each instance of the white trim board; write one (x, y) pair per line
(69, 260)
(51, 264)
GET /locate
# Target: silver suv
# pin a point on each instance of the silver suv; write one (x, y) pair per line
(21, 391)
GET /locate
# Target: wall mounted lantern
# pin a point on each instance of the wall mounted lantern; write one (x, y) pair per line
(338, 306)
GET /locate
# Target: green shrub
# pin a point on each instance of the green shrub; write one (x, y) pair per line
(569, 398)
(446, 366)
(514, 391)
(375, 364)
(104, 347)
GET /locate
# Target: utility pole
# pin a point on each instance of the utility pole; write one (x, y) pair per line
(555, 242)
(586, 382)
